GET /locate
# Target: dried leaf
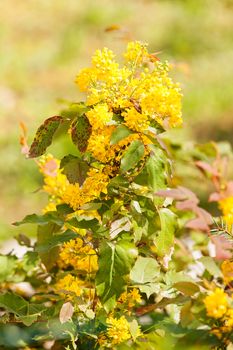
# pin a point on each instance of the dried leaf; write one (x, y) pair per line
(66, 312)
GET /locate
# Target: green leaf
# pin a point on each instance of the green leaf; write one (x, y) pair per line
(115, 262)
(132, 156)
(145, 270)
(119, 134)
(44, 136)
(80, 132)
(40, 219)
(23, 311)
(134, 329)
(149, 288)
(8, 265)
(74, 168)
(153, 175)
(55, 240)
(211, 266)
(165, 239)
(44, 234)
(187, 288)
(14, 303)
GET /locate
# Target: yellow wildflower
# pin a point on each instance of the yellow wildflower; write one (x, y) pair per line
(99, 144)
(85, 77)
(51, 206)
(135, 52)
(163, 104)
(135, 120)
(69, 285)
(227, 270)
(118, 329)
(131, 298)
(99, 116)
(149, 87)
(55, 183)
(79, 255)
(95, 184)
(226, 205)
(216, 303)
(229, 320)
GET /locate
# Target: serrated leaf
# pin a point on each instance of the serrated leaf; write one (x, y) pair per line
(80, 132)
(119, 134)
(44, 136)
(165, 238)
(115, 261)
(74, 168)
(132, 156)
(145, 270)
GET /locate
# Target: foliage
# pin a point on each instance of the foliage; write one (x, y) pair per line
(123, 256)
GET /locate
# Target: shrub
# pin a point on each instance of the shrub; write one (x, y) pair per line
(122, 257)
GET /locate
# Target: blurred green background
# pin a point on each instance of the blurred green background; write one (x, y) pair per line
(44, 43)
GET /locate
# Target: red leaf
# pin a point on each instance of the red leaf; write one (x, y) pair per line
(223, 247)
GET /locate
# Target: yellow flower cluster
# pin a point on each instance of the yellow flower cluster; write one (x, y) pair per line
(99, 116)
(130, 299)
(226, 205)
(118, 330)
(140, 92)
(69, 286)
(81, 256)
(216, 303)
(55, 183)
(227, 325)
(95, 184)
(227, 270)
(135, 121)
(60, 190)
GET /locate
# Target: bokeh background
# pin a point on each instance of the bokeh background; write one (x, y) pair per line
(44, 43)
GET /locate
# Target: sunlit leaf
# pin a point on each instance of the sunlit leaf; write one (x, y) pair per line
(44, 136)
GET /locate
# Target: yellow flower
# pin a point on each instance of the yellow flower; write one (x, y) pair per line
(227, 270)
(131, 298)
(163, 103)
(139, 82)
(55, 183)
(229, 319)
(135, 120)
(118, 329)
(99, 116)
(85, 77)
(95, 184)
(99, 144)
(51, 206)
(216, 303)
(79, 255)
(70, 286)
(135, 52)
(226, 205)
